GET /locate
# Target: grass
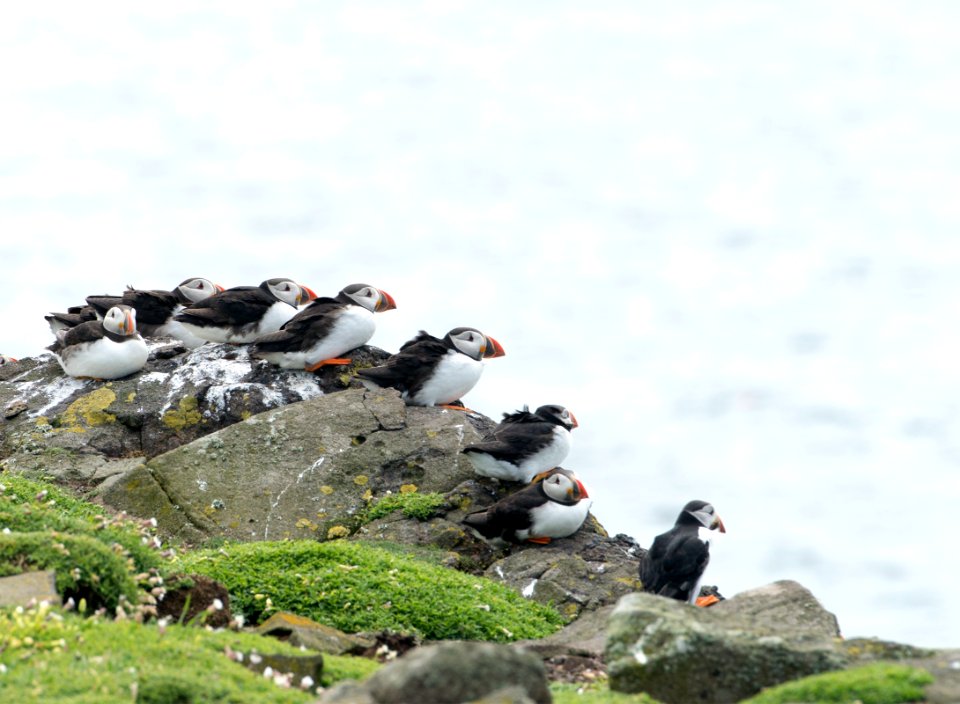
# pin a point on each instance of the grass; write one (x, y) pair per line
(355, 587)
(423, 507)
(595, 693)
(877, 683)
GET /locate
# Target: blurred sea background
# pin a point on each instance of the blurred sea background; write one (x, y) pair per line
(724, 234)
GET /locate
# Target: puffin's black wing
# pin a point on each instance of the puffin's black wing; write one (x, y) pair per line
(674, 563)
(515, 439)
(509, 514)
(409, 368)
(311, 324)
(235, 306)
(153, 307)
(90, 331)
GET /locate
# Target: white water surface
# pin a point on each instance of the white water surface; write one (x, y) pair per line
(724, 234)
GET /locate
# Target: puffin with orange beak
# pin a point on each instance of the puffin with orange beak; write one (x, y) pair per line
(156, 308)
(554, 505)
(6, 359)
(429, 371)
(524, 444)
(327, 328)
(675, 563)
(243, 313)
(102, 349)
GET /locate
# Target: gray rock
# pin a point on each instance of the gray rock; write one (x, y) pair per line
(507, 695)
(303, 632)
(347, 692)
(681, 654)
(21, 589)
(458, 672)
(304, 470)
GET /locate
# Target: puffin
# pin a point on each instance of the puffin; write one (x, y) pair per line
(524, 444)
(102, 349)
(243, 313)
(6, 359)
(555, 505)
(429, 371)
(71, 319)
(675, 563)
(325, 329)
(155, 309)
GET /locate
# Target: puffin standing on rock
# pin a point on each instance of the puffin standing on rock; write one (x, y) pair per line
(325, 329)
(675, 563)
(555, 505)
(429, 371)
(244, 313)
(156, 309)
(6, 359)
(102, 349)
(524, 444)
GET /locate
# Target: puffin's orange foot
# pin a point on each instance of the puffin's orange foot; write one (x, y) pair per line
(706, 601)
(453, 407)
(539, 541)
(325, 362)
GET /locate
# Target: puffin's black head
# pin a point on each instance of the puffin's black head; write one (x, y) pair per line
(700, 513)
(558, 415)
(473, 343)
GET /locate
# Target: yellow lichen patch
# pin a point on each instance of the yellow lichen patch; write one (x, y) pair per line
(326, 489)
(42, 421)
(432, 433)
(245, 414)
(89, 410)
(306, 523)
(635, 584)
(131, 396)
(337, 532)
(570, 610)
(408, 488)
(367, 495)
(184, 415)
(361, 479)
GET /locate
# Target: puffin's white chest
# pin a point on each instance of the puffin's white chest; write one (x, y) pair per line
(104, 359)
(353, 327)
(548, 457)
(454, 375)
(555, 520)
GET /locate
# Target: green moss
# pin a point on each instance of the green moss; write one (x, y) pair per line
(872, 684)
(53, 657)
(30, 506)
(343, 667)
(186, 414)
(85, 568)
(414, 505)
(356, 587)
(594, 693)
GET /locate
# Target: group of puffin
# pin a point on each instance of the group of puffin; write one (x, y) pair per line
(288, 325)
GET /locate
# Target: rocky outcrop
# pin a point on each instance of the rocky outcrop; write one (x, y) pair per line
(681, 654)
(452, 673)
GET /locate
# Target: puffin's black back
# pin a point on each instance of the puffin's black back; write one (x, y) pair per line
(410, 368)
(676, 560)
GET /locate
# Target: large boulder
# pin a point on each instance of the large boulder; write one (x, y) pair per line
(304, 470)
(682, 654)
(454, 672)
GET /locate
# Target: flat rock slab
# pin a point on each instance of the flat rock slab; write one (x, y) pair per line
(302, 631)
(21, 589)
(682, 654)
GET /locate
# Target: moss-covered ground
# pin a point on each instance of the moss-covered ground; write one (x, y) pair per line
(354, 586)
(879, 683)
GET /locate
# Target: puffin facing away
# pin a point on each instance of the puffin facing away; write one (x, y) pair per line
(674, 565)
(524, 444)
(155, 309)
(102, 349)
(325, 329)
(243, 313)
(555, 505)
(429, 371)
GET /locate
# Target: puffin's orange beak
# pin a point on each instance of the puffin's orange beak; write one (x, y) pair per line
(493, 348)
(219, 288)
(307, 293)
(573, 419)
(386, 302)
(129, 323)
(583, 489)
(718, 524)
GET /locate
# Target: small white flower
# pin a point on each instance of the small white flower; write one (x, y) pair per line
(306, 682)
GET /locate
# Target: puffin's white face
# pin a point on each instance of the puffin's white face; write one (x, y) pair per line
(708, 518)
(474, 343)
(5, 359)
(198, 289)
(121, 320)
(373, 299)
(287, 291)
(564, 487)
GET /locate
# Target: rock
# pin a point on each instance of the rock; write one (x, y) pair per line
(178, 397)
(347, 692)
(507, 695)
(678, 653)
(303, 632)
(197, 599)
(304, 470)
(21, 589)
(575, 653)
(454, 672)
